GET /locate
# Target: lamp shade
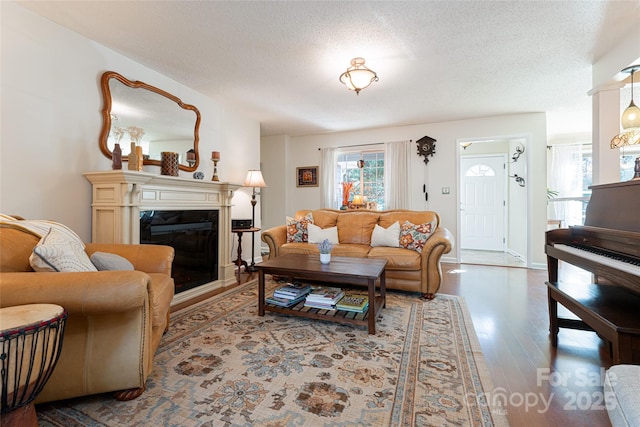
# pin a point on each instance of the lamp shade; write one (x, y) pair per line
(254, 179)
(357, 200)
(631, 116)
(629, 137)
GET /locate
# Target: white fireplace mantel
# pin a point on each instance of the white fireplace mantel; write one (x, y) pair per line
(119, 196)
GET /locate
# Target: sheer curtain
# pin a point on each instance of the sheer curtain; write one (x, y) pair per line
(328, 178)
(565, 178)
(397, 172)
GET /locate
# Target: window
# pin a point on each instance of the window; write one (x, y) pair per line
(568, 183)
(481, 170)
(628, 162)
(368, 180)
(571, 175)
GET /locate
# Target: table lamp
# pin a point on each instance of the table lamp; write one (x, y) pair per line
(254, 179)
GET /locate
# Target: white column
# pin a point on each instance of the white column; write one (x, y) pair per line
(606, 124)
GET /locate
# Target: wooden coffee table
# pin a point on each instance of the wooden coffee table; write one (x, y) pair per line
(341, 270)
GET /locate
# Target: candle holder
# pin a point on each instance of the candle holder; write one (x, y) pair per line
(215, 170)
(191, 157)
(215, 158)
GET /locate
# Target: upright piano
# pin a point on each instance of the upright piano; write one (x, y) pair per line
(607, 245)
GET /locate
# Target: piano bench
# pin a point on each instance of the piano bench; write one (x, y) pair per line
(610, 311)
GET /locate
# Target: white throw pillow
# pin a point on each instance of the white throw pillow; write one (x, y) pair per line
(108, 261)
(317, 234)
(386, 236)
(59, 250)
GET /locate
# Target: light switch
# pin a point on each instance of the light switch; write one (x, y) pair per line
(445, 190)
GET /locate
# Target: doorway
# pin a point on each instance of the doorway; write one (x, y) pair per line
(483, 202)
(493, 215)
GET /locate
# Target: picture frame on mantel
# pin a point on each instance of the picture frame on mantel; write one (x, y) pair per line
(307, 176)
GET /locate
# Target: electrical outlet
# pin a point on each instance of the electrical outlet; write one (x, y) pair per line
(445, 190)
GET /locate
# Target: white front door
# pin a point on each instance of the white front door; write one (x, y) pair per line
(482, 202)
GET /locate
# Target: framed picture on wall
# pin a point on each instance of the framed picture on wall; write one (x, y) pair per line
(307, 176)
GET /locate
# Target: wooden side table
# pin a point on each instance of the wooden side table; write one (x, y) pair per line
(239, 262)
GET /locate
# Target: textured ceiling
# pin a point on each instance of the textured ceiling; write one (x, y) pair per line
(437, 61)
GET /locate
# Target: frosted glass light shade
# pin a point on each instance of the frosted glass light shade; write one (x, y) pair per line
(631, 117)
(358, 77)
(627, 137)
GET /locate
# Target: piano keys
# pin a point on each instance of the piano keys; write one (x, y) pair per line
(608, 245)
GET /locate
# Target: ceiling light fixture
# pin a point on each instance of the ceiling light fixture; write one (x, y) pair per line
(630, 119)
(358, 77)
(631, 115)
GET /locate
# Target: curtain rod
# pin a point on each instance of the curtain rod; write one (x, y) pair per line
(363, 145)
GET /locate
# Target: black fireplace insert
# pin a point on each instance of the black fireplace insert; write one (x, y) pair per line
(194, 236)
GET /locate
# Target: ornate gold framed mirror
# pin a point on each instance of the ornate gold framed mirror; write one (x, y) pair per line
(165, 122)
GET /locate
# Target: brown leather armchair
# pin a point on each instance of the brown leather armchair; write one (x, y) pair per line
(116, 318)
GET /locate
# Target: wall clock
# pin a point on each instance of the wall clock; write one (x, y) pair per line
(426, 147)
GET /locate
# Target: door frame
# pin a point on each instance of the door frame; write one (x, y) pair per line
(526, 141)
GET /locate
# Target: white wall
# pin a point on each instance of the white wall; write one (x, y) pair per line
(517, 233)
(273, 153)
(440, 172)
(51, 103)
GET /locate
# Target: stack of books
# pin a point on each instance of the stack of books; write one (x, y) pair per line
(290, 294)
(324, 298)
(353, 302)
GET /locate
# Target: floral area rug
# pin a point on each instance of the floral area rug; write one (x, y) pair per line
(220, 364)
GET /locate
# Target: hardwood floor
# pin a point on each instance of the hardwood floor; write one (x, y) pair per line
(542, 386)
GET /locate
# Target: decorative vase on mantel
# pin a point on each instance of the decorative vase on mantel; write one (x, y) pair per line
(133, 158)
(116, 157)
(169, 163)
(140, 157)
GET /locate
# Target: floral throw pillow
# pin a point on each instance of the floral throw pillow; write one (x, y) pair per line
(297, 229)
(414, 236)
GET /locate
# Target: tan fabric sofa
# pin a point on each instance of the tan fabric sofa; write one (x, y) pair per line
(406, 269)
(116, 318)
